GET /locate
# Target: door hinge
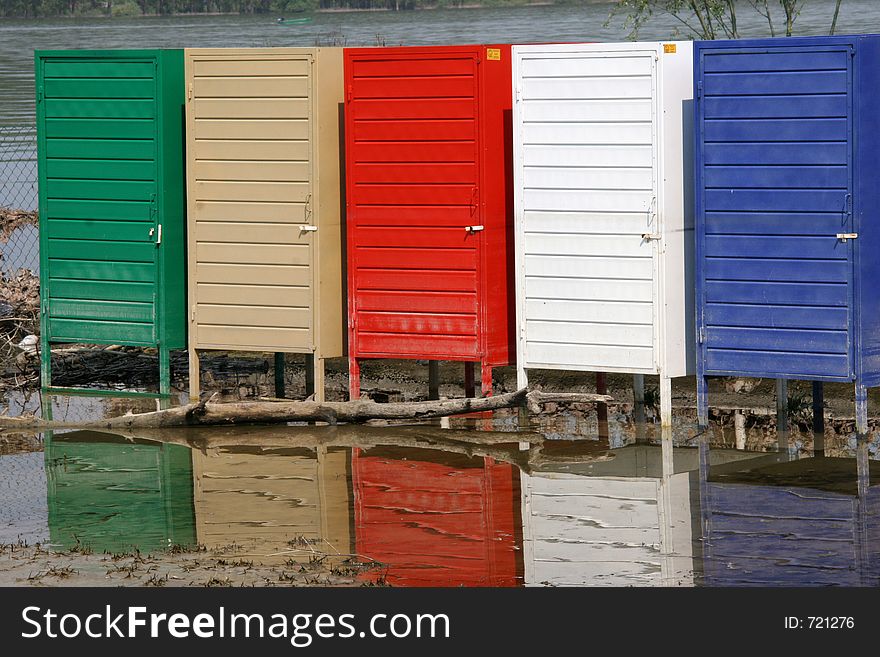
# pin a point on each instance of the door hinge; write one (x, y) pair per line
(192, 314)
(702, 336)
(518, 95)
(40, 94)
(700, 89)
(843, 237)
(189, 91)
(349, 94)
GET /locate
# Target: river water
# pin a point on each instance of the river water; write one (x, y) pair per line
(19, 38)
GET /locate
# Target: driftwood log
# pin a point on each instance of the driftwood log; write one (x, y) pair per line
(206, 413)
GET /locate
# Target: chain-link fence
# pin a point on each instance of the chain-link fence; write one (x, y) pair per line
(19, 239)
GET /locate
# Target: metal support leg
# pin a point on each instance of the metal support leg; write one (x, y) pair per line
(354, 379)
(194, 376)
(469, 388)
(602, 407)
(639, 406)
(433, 379)
(665, 401)
(702, 402)
(317, 369)
(861, 410)
(739, 429)
(310, 374)
(279, 374)
(818, 418)
(164, 371)
(781, 405)
(522, 378)
(45, 358)
(486, 379)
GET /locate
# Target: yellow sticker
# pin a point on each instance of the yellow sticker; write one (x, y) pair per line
(493, 53)
(668, 48)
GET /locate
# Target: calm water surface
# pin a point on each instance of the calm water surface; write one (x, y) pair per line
(483, 503)
(18, 39)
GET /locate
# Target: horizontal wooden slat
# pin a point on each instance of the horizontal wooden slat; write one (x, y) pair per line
(99, 88)
(248, 67)
(574, 65)
(407, 216)
(765, 83)
(99, 210)
(270, 108)
(581, 245)
(810, 177)
(600, 223)
(250, 87)
(97, 270)
(587, 178)
(794, 107)
(757, 269)
(250, 232)
(774, 130)
(589, 266)
(590, 356)
(462, 259)
(574, 200)
(110, 109)
(406, 130)
(84, 68)
(586, 88)
(421, 346)
(630, 109)
(253, 316)
(726, 61)
(257, 295)
(764, 339)
(587, 134)
(454, 237)
(101, 169)
(365, 68)
(463, 173)
(252, 148)
(256, 254)
(774, 292)
(101, 128)
(415, 151)
(260, 274)
(588, 156)
(91, 331)
(417, 302)
(251, 191)
(587, 311)
(238, 171)
(281, 130)
(84, 229)
(779, 246)
(101, 149)
(761, 362)
(716, 314)
(101, 190)
(101, 290)
(118, 311)
(414, 279)
(104, 251)
(423, 87)
(434, 324)
(585, 289)
(257, 338)
(805, 153)
(439, 108)
(586, 333)
(253, 211)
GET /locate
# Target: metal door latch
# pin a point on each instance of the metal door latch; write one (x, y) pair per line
(651, 236)
(843, 237)
(473, 229)
(305, 228)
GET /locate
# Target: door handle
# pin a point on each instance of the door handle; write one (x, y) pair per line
(843, 237)
(651, 236)
(473, 229)
(305, 228)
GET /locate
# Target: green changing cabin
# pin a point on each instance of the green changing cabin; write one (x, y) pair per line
(112, 206)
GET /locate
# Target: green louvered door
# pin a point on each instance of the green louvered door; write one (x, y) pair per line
(99, 216)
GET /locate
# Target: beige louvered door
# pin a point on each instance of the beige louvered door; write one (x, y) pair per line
(249, 176)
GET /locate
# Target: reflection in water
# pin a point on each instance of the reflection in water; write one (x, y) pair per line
(114, 496)
(442, 507)
(437, 519)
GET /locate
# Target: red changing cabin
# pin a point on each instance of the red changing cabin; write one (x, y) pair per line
(429, 206)
(437, 519)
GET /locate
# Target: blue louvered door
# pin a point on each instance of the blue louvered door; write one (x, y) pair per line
(774, 194)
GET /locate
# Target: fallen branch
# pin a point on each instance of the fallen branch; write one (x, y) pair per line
(357, 411)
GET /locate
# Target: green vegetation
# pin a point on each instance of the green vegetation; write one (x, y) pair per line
(52, 8)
